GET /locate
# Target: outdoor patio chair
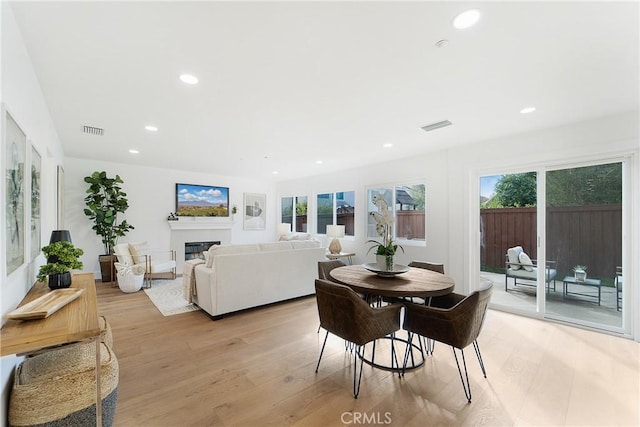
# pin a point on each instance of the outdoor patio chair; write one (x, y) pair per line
(518, 265)
(618, 283)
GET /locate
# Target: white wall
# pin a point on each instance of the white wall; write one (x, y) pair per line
(151, 195)
(429, 169)
(452, 188)
(21, 95)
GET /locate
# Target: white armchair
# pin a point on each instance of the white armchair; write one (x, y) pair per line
(157, 264)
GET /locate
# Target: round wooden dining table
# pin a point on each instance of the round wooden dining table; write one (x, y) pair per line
(416, 282)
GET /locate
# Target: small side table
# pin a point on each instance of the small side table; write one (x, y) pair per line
(570, 280)
(347, 255)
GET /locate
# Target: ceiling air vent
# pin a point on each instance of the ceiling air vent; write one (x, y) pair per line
(437, 125)
(91, 130)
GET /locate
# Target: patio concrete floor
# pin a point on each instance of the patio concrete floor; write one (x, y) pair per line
(572, 307)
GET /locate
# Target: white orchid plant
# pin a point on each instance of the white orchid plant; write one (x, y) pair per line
(384, 228)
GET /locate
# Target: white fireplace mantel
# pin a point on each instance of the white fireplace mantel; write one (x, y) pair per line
(200, 225)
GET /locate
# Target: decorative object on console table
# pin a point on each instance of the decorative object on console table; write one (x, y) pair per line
(255, 211)
(335, 232)
(580, 272)
(62, 257)
(105, 200)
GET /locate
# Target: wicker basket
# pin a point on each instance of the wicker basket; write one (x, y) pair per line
(57, 387)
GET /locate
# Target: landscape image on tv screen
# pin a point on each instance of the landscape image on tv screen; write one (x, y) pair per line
(202, 200)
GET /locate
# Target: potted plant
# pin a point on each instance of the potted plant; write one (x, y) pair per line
(385, 249)
(62, 257)
(580, 272)
(105, 200)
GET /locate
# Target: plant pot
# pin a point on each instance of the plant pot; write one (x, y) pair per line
(59, 281)
(580, 275)
(106, 267)
(385, 262)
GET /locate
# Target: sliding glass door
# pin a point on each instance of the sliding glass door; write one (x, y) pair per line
(508, 224)
(584, 238)
(576, 213)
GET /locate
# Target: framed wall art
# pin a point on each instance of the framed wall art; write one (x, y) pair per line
(16, 145)
(255, 212)
(36, 172)
(60, 198)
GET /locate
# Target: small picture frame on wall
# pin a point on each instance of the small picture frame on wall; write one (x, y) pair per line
(255, 212)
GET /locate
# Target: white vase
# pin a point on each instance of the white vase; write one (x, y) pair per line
(385, 262)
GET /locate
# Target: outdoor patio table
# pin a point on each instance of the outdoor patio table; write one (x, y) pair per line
(570, 280)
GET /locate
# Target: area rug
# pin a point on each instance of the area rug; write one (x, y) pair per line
(167, 296)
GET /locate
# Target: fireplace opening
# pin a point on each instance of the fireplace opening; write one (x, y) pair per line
(196, 250)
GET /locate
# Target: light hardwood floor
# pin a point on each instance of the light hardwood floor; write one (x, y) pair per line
(256, 368)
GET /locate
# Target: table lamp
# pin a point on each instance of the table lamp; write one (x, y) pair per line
(336, 232)
(282, 229)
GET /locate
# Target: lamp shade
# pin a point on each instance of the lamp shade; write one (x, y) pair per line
(335, 231)
(60, 236)
(283, 228)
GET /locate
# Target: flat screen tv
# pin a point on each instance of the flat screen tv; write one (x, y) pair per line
(202, 200)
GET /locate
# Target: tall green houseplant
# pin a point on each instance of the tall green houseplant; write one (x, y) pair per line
(105, 200)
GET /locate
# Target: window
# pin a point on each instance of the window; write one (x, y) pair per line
(294, 212)
(407, 205)
(336, 208)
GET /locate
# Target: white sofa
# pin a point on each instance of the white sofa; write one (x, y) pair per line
(237, 277)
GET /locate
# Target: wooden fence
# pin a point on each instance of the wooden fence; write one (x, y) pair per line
(410, 224)
(588, 235)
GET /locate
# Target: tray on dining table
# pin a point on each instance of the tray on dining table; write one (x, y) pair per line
(397, 269)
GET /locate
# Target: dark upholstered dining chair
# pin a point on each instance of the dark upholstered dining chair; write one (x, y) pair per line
(452, 319)
(438, 268)
(325, 267)
(345, 314)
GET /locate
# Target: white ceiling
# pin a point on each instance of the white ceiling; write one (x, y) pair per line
(285, 84)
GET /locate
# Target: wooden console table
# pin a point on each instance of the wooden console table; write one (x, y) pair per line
(76, 321)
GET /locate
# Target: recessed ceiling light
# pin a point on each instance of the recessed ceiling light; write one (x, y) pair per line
(318, 162)
(134, 151)
(387, 145)
(527, 110)
(189, 79)
(151, 128)
(466, 19)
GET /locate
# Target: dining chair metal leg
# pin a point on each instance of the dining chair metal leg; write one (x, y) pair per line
(322, 351)
(465, 385)
(477, 349)
(356, 354)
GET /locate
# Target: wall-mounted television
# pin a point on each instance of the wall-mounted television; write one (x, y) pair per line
(202, 200)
